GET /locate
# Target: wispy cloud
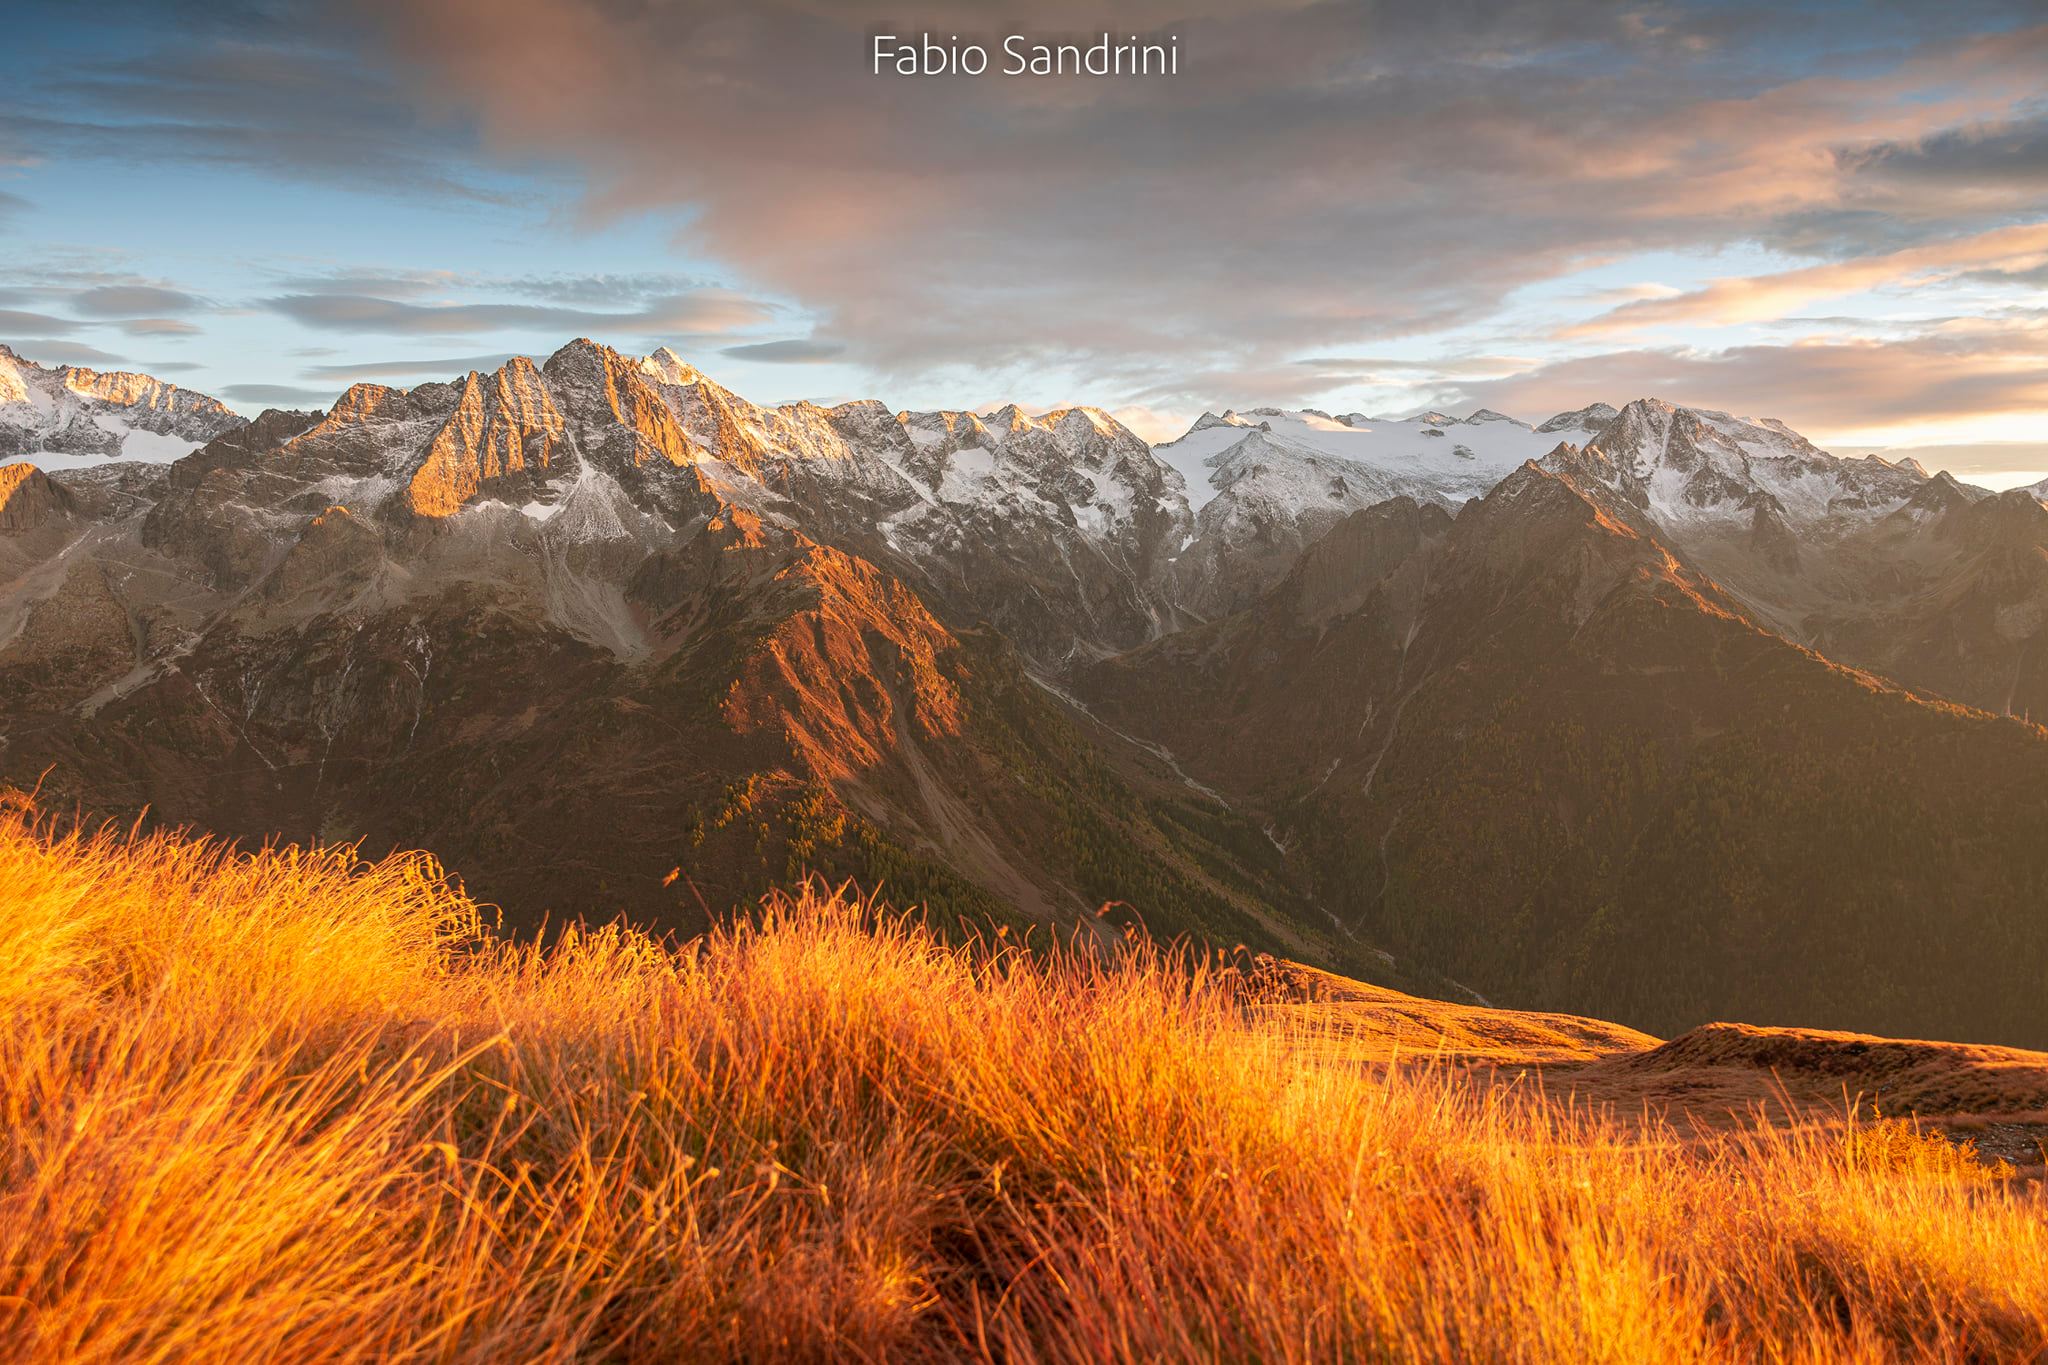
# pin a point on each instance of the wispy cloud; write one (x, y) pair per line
(2010, 251)
(158, 327)
(1358, 182)
(277, 395)
(17, 323)
(132, 300)
(1365, 171)
(396, 369)
(799, 351)
(273, 88)
(1971, 369)
(51, 351)
(701, 310)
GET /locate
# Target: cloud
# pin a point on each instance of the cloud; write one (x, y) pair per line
(135, 307)
(1970, 370)
(392, 369)
(383, 283)
(1323, 175)
(1997, 463)
(1999, 158)
(47, 351)
(276, 88)
(1369, 367)
(158, 327)
(132, 300)
(1327, 179)
(614, 290)
(1153, 425)
(11, 206)
(592, 290)
(16, 322)
(700, 310)
(2003, 252)
(801, 351)
(277, 395)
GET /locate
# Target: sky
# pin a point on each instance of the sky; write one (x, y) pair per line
(1832, 214)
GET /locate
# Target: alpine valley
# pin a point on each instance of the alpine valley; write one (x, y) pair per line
(1648, 713)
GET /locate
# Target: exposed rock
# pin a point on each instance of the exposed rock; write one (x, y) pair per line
(28, 499)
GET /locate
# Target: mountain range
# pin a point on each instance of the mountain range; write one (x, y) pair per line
(1652, 713)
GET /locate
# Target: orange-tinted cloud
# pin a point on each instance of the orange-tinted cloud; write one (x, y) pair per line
(1323, 175)
(1757, 298)
(1971, 369)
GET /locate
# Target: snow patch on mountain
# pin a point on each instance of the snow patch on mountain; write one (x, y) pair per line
(1590, 420)
(1298, 453)
(61, 415)
(1702, 467)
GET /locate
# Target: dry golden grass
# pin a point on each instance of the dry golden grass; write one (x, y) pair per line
(287, 1107)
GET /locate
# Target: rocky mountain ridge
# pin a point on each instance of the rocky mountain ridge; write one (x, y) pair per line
(1351, 689)
(71, 411)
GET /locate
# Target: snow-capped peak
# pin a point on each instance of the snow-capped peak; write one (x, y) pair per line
(14, 386)
(670, 368)
(1684, 465)
(1433, 458)
(1592, 418)
(69, 415)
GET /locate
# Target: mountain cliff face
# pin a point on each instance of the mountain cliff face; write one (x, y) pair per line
(28, 499)
(1647, 712)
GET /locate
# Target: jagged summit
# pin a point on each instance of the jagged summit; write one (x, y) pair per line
(1907, 463)
(1590, 419)
(1057, 526)
(1679, 465)
(595, 599)
(1062, 527)
(670, 368)
(1941, 492)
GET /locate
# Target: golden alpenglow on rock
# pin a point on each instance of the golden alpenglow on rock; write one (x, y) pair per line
(500, 426)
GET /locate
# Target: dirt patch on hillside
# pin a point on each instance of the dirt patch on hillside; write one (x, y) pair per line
(1889, 1074)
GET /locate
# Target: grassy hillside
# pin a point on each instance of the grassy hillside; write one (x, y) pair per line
(287, 1106)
